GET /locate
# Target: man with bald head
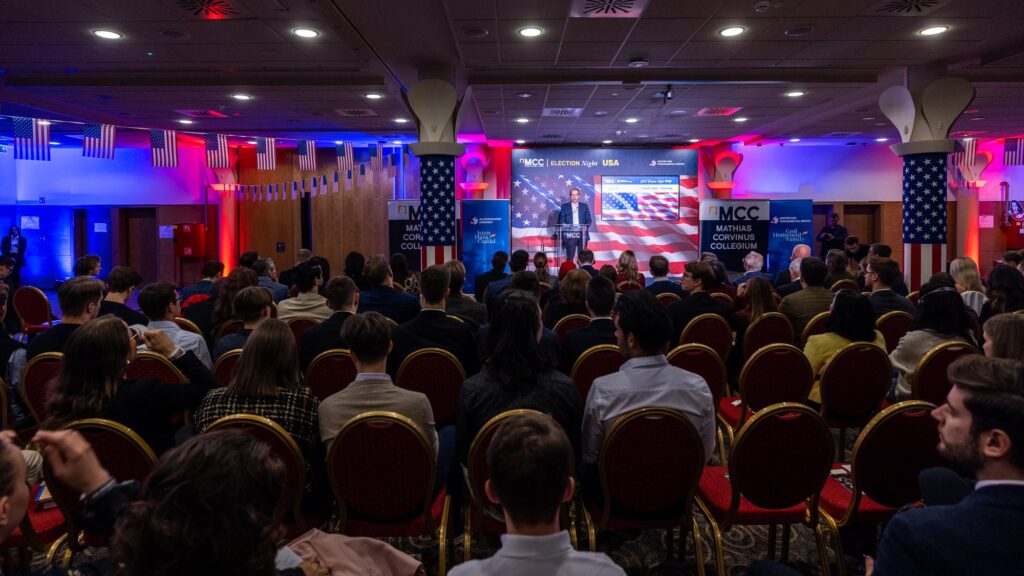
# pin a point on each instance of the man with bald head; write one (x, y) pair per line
(785, 277)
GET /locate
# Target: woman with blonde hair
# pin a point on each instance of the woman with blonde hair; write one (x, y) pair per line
(968, 282)
(627, 269)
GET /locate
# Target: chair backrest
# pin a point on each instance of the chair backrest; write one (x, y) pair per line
(331, 371)
(300, 324)
(229, 327)
(187, 325)
(281, 445)
(570, 322)
(723, 298)
(776, 373)
(629, 285)
(769, 328)
(781, 457)
(893, 326)
(436, 373)
(845, 284)
(817, 325)
(149, 365)
(710, 330)
(32, 305)
(542, 287)
(914, 297)
(595, 362)
(225, 366)
(40, 375)
(649, 464)
(929, 382)
(704, 362)
(394, 478)
(854, 383)
(456, 318)
(477, 471)
(667, 298)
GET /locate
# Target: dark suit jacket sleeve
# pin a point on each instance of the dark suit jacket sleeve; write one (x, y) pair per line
(585, 214)
(900, 548)
(565, 216)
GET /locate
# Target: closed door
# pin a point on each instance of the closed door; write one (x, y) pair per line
(138, 242)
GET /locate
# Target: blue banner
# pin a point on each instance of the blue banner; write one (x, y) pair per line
(486, 229)
(789, 225)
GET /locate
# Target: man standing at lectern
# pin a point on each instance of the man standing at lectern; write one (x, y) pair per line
(574, 214)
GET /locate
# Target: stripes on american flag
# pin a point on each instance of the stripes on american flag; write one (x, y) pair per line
(924, 217)
(266, 154)
(164, 145)
(345, 158)
(437, 210)
(964, 151)
(640, 198)
(335, 185)
(376, 157)
(1013, 152)
(98, 141)
(31, 139)
(216, 151)
(306, 150)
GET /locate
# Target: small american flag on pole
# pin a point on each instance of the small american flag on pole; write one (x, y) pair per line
(266, 155)
(31, 139)
(924, 217)
(437, 210)
(345, 161)
(98, 141)
(1013, 152)
(216, 151)
(376, 157)
(164, 144)
(306, 149)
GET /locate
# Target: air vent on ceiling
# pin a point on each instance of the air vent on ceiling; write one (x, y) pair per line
(201, 113)
(355, 112)
(719, 111)
(563, 112)
(840, 134)
(906, 7)
(608, 8)
(211, 9)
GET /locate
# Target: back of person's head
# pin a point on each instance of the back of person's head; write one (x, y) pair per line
(263, 266)
(75, 295)
(627, 265)
(499, 260)
(1013, 257)
(7, 261)
(753, 262)
(760, 296)
(639, 314)
(525, 280)
(965, 272)
(887, 269)
(1004, 336)
(306, 275)
(586, 256)
(85, 265)
(701, 272)
(239, 278)
(1005, 288)
(248, 258)
(269, 361)
(942, 310)
(302, 255)
(658, 265)
(794, 268)
(399, 267)
(122, 278)
(515, 356)
(608, 271)
(155, 298)
(355, 263)
(836, 261)
(574, 288)
(456, 275)
(879, 249)
(250, 302)
(718, 274)
(708, 256)
(564, 268)
(852, 317)
(813, 271)
(377, 270)
(600, 295)
(530, 461)
(368, 336)
(208, 507)
(340, 292)
(212, 269)
(95, 359)
(519, 260)
(851, 240)
(540, 260)
(994, 395)
(434, 283)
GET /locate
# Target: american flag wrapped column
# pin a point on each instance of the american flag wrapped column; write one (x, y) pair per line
(924, 217)
(437, 210)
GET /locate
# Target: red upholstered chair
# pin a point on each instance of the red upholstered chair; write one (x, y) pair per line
(704, 362)
(391, 491)
(845, 285)
(629, 286)
(284, 447)
(780, 460)
(40, 375)
(229, 327)
(929, 382)
(817, 325)
(300, 324)
(569, 323)
(595, 362)
(853, 386)
(33, 307)
(775, 373)
(149, 365)
(331, 371)
(649, 464)
(769, 328)
(724, 298)
(436, 373)
(710, 330)
(188, 325)
(667, 298)
(898, 443)
(893, 326)
(226, 365)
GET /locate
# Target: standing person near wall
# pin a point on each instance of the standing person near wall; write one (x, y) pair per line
(14, 246)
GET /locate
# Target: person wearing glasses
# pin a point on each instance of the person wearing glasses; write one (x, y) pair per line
(879, 277)
(159, 302)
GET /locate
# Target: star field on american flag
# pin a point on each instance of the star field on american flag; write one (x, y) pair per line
(534, 199)
(437, 200)
(924, 199)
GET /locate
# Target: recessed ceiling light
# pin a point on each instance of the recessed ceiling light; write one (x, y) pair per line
(373, 95)
(524, 95)
(108, 34)
(606, 141)
(795, 93)
(977, 118)
(44, 122)
(794, 139)
(531, 31)
(520, 141)
(639, 63)
(305, 33)
(868, 118)
(632, 120)
(732, 31)
(677, 112)
(396, 141)
(522, 120)
(933, 30)
(241, 96)
(401, 120)
(972, 111)
(694, 140)
(600, 113)
(250, 142)
(54, 143)
(184, 121)
(740, 119)
(882, 139)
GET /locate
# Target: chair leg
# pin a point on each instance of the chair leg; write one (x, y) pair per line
(51, 554)
(591, 531)
(786, 532)
(698, 548)
(670, 537)
(573, 538)
(721, 446)
(716, 534)
(467, 535)
(772, 536)
(442, 539)
(837, 543)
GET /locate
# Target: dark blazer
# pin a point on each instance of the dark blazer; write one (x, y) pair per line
(589, 268)
(599, 331)
(482, 280)
(548, 344)
(202, 314)
(692, 306)
(474, 313)
(5, 249)
(322, 337)
(883, 301)
(433, 329)
(396, 305)
(123, 312)
(789, 288)
(783, 278)
(494, 289)
(663, 286)
(556, 309)
(750, 276)
(565, 217)
(53, 340)
(980, 535)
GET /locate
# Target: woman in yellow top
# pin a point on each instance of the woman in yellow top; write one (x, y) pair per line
(851, 320)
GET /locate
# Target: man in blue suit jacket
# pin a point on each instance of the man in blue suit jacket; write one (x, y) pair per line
(575, 213)
(383, 297)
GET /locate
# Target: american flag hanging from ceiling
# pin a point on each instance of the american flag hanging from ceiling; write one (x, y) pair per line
(924, 217)
(216, 151)
(345, 162)
(437, 210)
(306, 150)
(164, 145)
(31, 139)
(266, 155)
(98, 141)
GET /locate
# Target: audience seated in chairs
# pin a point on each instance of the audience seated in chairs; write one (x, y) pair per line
(696, 277)
(212, 270)
(308, 302)
(814, 299)
(517, 263)
(12, 363)
(719, 280)
(563, 270)
(160, 303)
(343, 298)
(600, 295)
(968, 282)
(266, 275)
(121, 283)
(1005, 292)
(224, 308)
(497, 272)
(200, 310)
(540, 268)
(405, 281)
(879, 276)
(627, 269)
(91, 383)
(355, 268)
(786, 276)
(850, 320)
(89, 265)
(586, 260)
(1004, 337)
(252, 306)
(753, 263)
(382, 297)
(660, 283)
(530, 460)
(432, 328)
(794, 285)
(838, 268)
(756, 294)
(79, 300)
(571, 298)
(460, 305)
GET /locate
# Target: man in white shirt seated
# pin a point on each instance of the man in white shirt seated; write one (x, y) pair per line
(531, 464)
(159, 302)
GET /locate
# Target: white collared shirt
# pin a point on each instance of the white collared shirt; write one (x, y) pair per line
(575, 213)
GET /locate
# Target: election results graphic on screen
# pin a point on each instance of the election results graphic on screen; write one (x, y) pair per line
(639, 199)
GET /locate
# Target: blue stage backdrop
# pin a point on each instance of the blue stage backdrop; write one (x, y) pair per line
(485, 230)
(789, 225)
(644, 200)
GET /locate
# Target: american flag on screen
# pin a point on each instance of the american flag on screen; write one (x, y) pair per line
(437, 210)
(376, 157)
(164, 144)
(924, 217)
(31, 139)
(345, 161)
(306, 149)
(98, 141)
(536, 201)
(266, 154)
(1013, 152)
(216, 151)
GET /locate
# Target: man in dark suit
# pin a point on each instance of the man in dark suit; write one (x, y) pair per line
(785, 276)
(79, 300)
(794, 285)
(587, 262)
(980, 432)
(577, 214)
(601, 330)
(343, 297)
(432, 327)
(696, 276)
(885, 251)
(383, 297)
(753, 263)
(660, 284)
(814, 299)
(14, 246)
(519, 261)
(497, 272)
(457, 303)
(879, 276)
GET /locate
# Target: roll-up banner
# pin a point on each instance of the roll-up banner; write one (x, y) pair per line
(486, 229)
(788, 225)
(404, 231)
(732, 228)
